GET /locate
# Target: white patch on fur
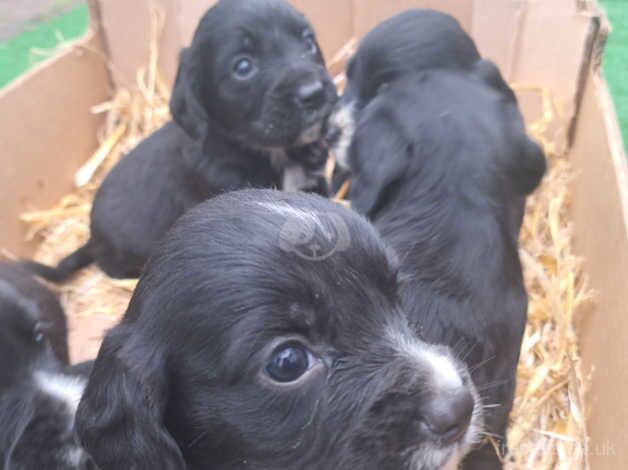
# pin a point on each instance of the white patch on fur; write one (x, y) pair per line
(294, 178)
(445, 375)
(286, 210)
(343, 120)
(278, 158)
(65, 388)
(75, 457)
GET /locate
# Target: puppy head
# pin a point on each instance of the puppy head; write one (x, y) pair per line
(253, 341)
(443, 134)
(255, 73)
(409, 42)
(23, 336)
(22, 290)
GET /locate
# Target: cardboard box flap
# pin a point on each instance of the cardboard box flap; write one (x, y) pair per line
(47, 131)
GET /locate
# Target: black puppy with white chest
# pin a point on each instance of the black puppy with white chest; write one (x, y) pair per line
(38, 392)
(441, 164)
(250, 100)
(266, 333)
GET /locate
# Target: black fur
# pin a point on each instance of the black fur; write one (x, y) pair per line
(21, 294)
(182, 382)
(37, 430)
(228, 133)
(441, 164)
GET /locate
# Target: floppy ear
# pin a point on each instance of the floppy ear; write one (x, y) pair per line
(380, 153)
(528, 167)
(16, 418)
(185, 104)
(120, 417)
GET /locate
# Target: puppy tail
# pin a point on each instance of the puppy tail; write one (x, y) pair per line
(69, 265)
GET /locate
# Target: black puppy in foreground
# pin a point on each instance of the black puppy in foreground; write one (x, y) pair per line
(441, 164)
(38, 393)
(266, 333)
(251, 96)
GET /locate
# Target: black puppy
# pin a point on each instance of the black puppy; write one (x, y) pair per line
(441, 164)
(250, 100)
(408, 42)
(38, 394)
(266, 333)
(19, 291)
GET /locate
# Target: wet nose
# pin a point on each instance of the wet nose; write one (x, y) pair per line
(311, 94)
(447, 415)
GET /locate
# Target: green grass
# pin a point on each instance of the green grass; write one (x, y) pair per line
(616, 60)
(21, 52)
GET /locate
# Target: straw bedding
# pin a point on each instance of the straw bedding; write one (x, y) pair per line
(548, 420)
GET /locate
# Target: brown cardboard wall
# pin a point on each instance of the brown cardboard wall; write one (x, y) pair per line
(46, 132)
(511, 33)
(370, 12)
(601, 237)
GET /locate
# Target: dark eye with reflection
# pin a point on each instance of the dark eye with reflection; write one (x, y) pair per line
(39, 333)
(243, 68)
(289, 362)
(310, 44)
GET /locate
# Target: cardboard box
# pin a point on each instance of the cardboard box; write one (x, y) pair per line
(47, 131)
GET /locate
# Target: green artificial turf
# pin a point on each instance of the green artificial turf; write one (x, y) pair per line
(21, 52)
(616, 60)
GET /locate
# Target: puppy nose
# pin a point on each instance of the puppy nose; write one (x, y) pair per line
(311, 94)
(447, 416)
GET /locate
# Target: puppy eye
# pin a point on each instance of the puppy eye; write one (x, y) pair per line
(289, 362)
(39, 333)
(243, 68)
(310, 44)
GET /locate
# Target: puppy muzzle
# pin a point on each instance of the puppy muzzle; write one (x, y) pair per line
(434, 407)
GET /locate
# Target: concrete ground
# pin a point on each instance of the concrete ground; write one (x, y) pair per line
(20, 15)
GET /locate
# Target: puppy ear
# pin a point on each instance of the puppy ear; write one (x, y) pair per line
(489, 73)
(186, 105)
(379, 157)
(119, 420)
(528, 168)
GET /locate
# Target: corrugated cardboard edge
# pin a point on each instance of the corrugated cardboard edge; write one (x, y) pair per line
(593, 53)
(47, 130)
(600, 214)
